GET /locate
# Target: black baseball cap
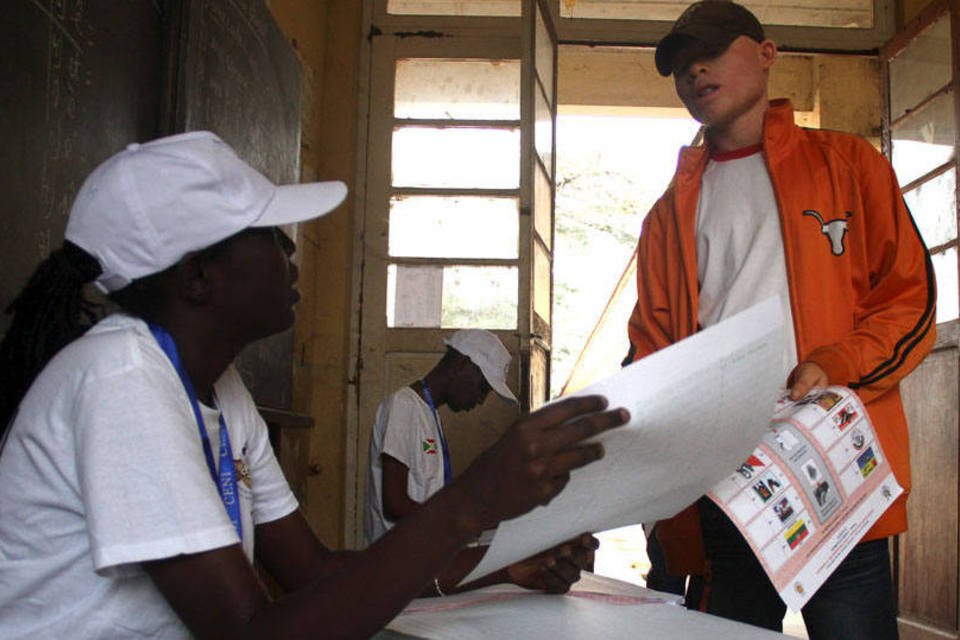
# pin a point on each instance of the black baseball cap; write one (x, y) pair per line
(708, 27)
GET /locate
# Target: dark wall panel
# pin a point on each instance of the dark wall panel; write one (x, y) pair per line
(78, 80)
(240, 78)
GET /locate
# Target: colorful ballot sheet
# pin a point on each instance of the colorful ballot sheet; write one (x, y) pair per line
(815, 484)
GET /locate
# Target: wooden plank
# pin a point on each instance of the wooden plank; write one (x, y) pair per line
(927, 557)
(914, 630)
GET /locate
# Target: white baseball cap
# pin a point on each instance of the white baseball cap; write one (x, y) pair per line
(145, 208)
(487, 352)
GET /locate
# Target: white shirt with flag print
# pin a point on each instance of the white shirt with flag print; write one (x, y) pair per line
(405, 430)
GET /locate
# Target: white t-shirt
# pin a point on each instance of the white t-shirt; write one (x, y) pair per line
(405, 429)
(740, 259)
(103, 469)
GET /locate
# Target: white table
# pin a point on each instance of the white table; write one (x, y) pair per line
(596, 607)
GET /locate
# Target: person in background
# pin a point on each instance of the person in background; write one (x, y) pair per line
(410, 458)
(815, 217)
(137, 481)
(409, 455)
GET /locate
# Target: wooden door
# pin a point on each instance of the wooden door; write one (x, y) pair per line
(920, 137)
(458, 214)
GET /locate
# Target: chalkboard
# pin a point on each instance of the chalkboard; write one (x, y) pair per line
(78, 81)
(240, 78)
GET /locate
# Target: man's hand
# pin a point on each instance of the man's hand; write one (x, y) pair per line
(532, 461)
(556, 569)
(804, 377)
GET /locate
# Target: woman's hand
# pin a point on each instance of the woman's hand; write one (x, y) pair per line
(532, 461)
(555, 570)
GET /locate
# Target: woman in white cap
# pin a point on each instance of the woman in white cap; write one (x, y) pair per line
(136, 474)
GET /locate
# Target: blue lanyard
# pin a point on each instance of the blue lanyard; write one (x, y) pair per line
(447, 467)
(226, 479)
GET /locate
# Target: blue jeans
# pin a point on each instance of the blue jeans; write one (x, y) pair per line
(856, 602)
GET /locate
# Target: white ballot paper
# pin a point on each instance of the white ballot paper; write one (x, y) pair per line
(697, 410)
(595, 607)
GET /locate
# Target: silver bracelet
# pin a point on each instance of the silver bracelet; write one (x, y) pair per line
(436, 585)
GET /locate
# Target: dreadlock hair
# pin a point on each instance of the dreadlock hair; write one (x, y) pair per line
(141, 298)
(50, 312)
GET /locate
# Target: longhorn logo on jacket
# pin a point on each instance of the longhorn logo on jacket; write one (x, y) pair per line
(835, 230)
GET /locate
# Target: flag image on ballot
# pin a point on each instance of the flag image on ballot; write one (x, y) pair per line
(796, 534)
(867, 462)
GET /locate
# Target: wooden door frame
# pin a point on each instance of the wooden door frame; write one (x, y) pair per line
(413, 37)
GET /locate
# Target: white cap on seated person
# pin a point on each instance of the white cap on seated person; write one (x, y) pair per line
(146, 207)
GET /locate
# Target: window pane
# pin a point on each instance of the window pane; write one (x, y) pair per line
(469, 157)
(454, 7)
(414, 296)
(484, 297)
(452, 89)
(453, 227)
(544, 55)
(934, 207)
(850, 14)
(924, 140)
(539, 374)
(621, 10)
(541, 283)
(543, 132)
(945, 266)
(921, 69)
(542, 212)
(452, 296)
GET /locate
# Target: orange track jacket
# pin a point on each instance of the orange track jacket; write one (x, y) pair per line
(863, 301)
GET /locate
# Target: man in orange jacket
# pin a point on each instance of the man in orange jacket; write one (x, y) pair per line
(767, 208)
